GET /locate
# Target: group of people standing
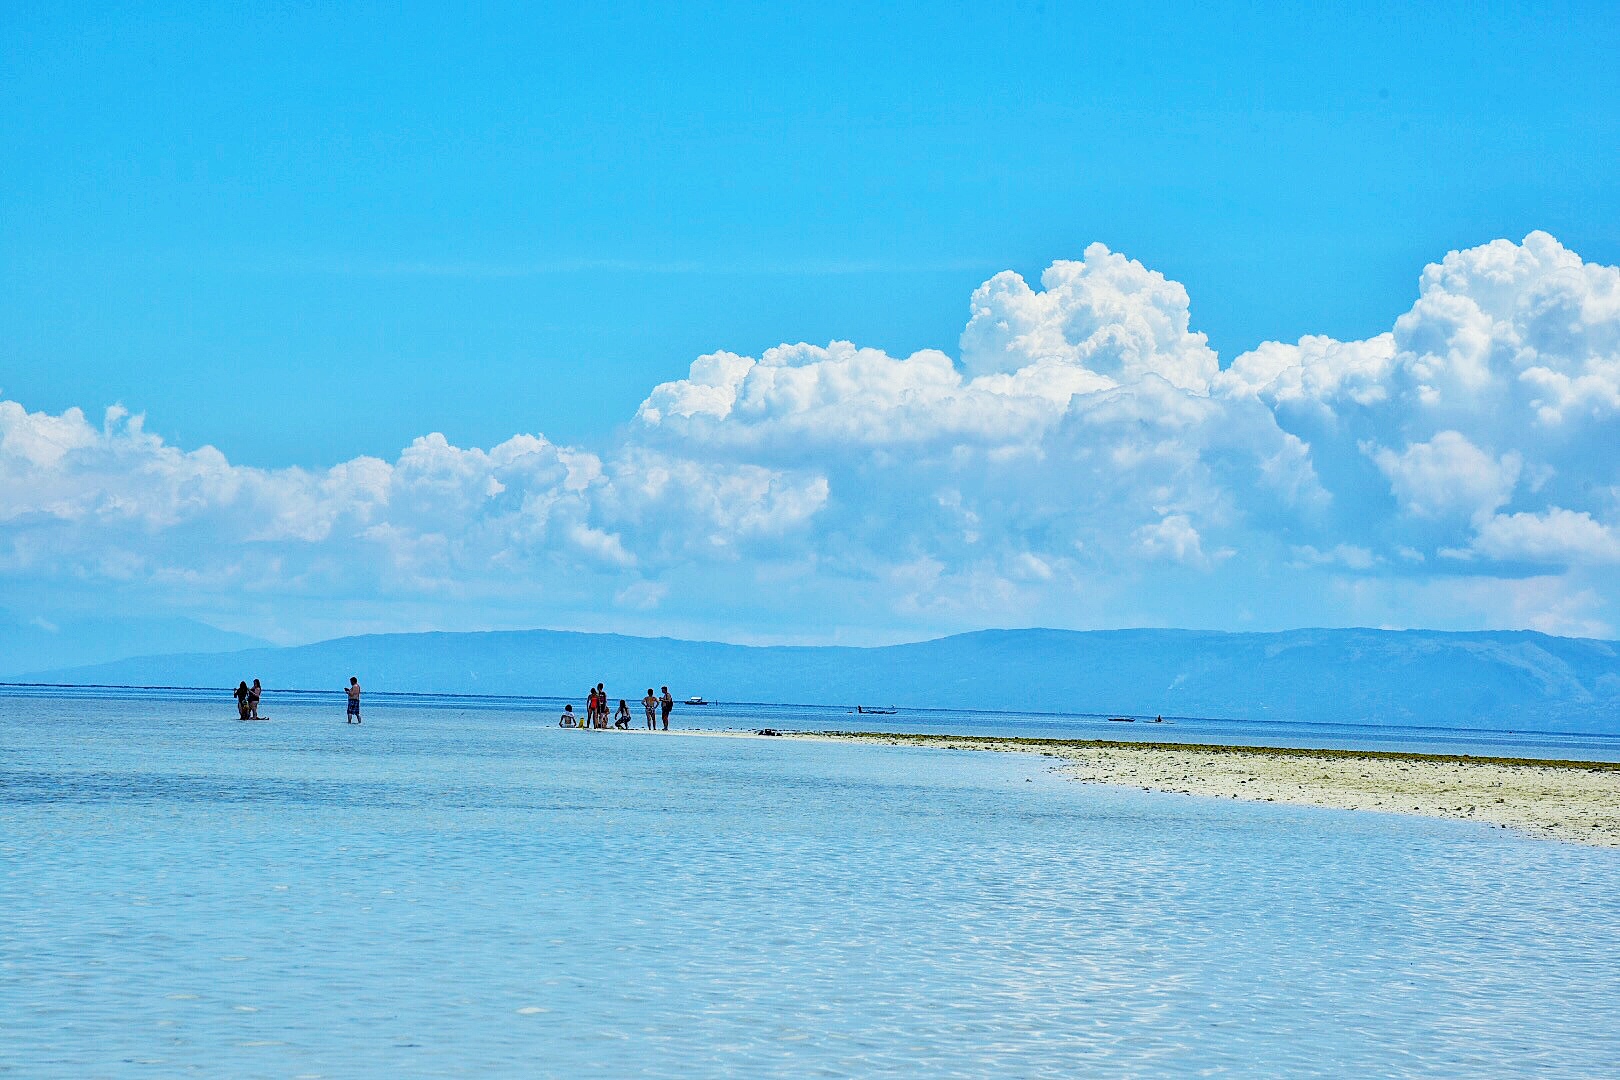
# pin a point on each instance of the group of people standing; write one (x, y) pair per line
(598, 716)
(247, 700)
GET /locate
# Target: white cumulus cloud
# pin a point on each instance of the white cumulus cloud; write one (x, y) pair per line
(1554, 536)
(1449, 475)
(1083, 460)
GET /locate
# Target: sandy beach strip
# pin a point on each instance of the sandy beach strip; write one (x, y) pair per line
(1577, 801)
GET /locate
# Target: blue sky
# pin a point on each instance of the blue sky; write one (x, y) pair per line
(309, 237)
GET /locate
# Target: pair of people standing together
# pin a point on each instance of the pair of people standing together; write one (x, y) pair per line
(247, 700)
(652, 704)
(596, 710)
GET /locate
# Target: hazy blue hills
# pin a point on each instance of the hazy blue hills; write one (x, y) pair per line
(32, 643)
(1519, 680)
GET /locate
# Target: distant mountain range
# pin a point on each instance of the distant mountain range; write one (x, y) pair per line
(1517, 680)
(30, 643)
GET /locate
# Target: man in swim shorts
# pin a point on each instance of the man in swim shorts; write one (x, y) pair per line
(353, 690)
(650, 704)
(668, 703)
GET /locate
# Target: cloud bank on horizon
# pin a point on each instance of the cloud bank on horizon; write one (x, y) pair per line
(1085, 461)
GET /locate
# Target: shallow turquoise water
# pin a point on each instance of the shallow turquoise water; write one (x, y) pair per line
(733, 716)
(475, 891)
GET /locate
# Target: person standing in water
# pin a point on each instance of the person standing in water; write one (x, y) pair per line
(669, 703)
(242, 702)
(650, 704)
(353, 690)
(253, 700)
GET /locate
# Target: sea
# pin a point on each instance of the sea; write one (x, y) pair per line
(459, 887)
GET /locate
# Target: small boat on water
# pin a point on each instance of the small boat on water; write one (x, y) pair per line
(694, 701)
(864, 711)
(1122, 719)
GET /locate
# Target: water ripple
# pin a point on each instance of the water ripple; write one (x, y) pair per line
(476, 892)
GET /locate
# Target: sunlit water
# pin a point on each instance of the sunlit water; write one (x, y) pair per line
(454, 890)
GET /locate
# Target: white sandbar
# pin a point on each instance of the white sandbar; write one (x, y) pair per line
(1562, 800)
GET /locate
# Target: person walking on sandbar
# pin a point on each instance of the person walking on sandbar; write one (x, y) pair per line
(650, 704)
(668, 703)
(353, 690)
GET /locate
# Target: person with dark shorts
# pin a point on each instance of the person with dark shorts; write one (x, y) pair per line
(621, 719)
(353, 690)
(254, 692)
(668, 704)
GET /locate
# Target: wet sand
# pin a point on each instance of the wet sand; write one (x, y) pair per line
(1562, 800)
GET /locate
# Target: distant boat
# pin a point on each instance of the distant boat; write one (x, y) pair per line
(695, 701)
(874, 712)
(1122, 719)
